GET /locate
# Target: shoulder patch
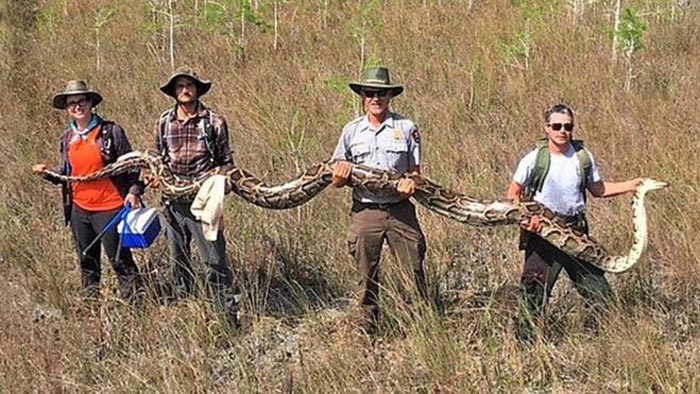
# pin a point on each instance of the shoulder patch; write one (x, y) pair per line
(415, 134)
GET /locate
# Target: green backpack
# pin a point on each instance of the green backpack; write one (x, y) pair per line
(542, 167)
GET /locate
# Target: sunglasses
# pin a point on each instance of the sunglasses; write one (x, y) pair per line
(558, 126)
(73, 104)
(371, 93)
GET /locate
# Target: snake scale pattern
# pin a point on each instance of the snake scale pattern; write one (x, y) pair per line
(454, 205)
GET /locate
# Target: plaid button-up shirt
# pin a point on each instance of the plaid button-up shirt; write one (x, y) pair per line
(185, 143)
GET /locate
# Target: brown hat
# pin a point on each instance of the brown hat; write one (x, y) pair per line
(376, 78)
(203, 86)
(74, 88)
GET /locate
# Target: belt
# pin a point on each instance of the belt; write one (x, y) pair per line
(358, 206)
(571, 218)
(577, 221)
(169, 200)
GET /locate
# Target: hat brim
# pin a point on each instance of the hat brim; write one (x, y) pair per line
(59, 100)
(394, 89)
(169, 87)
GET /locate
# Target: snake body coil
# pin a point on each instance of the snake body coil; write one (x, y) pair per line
(454, 205)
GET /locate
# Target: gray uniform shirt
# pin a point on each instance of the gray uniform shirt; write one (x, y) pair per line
(393, 146)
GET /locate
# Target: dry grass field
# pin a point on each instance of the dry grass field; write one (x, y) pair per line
(478, 74)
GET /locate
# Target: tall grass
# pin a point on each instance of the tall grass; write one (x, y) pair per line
(477, 74)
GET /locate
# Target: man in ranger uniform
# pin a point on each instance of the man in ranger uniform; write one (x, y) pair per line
(387, 141)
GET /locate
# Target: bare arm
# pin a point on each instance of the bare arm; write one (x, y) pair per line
(611, 189)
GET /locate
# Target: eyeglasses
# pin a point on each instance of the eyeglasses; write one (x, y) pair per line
(371, 93)
(558, 126)
(72, 104)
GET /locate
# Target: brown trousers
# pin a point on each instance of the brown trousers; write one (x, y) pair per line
(398, 225)
(543, 264)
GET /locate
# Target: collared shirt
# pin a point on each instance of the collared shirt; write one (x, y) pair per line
(393, 146)
(186, 146)
(561, 190)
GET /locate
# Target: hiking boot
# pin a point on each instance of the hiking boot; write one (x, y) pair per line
(524, 330)
(366, 319)
(231, 322)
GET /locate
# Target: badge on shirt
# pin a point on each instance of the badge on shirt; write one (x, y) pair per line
(416, 136)
(397, 134)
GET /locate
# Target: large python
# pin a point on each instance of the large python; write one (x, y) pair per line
(456, 206)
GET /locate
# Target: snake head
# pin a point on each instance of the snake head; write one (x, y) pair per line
(649, 184)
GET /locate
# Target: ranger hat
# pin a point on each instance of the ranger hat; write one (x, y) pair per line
(203, 86)
(74, 88)
(376, 78)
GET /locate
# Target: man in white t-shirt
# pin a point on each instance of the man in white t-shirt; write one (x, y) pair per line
(556, 174)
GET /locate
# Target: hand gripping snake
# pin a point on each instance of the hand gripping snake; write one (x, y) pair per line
(433, 196)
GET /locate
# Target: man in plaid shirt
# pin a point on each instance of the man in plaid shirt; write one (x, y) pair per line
(192, 139)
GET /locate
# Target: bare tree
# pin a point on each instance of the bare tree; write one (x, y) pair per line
(102, 17)
(245, 6)
(164, 23)
(171, 35)
(275, 24)
(577, 8)
(616, 31)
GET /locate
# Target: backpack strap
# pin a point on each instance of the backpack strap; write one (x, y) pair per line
(164, 131)
(109, 154)
(64, 144)
(541, 170)
(206, 133)
(584, 159)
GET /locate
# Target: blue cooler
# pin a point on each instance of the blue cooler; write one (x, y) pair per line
(139, 228)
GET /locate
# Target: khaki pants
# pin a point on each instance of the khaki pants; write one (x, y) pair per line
(398, 225)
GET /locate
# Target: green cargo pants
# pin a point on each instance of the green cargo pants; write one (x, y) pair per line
(543, 264)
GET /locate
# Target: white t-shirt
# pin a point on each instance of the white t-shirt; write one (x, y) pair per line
(561, 191)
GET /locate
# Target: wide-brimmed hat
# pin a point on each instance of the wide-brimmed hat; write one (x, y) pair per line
(203, 86)
(376, 78)
(74, 88)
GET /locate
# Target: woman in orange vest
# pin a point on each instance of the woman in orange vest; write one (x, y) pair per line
(87, 145)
